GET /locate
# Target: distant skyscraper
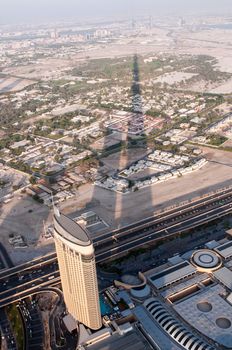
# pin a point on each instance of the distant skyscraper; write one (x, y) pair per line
(76, 260)
(133, 24)
(54, 34)
(181, 22)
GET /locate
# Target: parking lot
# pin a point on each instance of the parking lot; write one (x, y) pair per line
(34, 326)
(8, 340)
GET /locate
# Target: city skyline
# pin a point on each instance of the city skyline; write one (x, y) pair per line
(14, 12)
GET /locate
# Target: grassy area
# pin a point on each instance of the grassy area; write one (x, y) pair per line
(15, 319)
(217, 140)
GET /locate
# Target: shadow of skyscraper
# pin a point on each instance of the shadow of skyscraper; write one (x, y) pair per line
(132, 136)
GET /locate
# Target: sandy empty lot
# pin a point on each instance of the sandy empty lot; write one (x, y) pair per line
(11, 84)
(224, 88)
(16, 219)
(174, 77)
(46, 68)
(118, 210)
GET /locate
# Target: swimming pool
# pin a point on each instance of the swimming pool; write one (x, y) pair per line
(104, 306)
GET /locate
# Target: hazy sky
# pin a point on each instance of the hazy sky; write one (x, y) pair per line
(15, 11)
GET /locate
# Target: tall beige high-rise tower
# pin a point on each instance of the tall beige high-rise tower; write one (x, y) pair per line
(76, 261)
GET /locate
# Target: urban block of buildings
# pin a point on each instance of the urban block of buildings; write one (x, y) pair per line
(184, 304)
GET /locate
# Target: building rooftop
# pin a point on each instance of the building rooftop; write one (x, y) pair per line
(154, 331)
(225, 250)
(172, 274)
(224, 275)
(206, 259)
(212, 244)
(193, 309)
(88, 214)
(141, 292)
(194, 281)
(71, 230)
(180, 333)
(209, 313)
(129, 341)
(70, 323)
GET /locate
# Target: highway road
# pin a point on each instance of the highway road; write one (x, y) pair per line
(161, 233)
(29, 266)
(186, 209)
(20, 281)
(170, 223)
